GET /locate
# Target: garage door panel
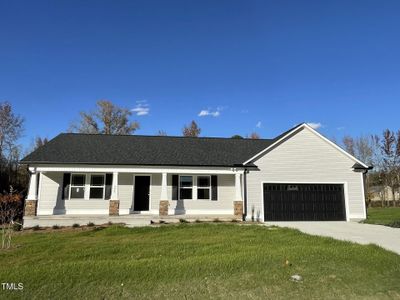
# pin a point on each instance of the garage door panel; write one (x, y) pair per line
(304, 202)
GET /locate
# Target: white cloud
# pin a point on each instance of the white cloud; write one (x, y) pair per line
(341, 128)
(208, 112)
(258, 125)
(142, 108)
(315, 125)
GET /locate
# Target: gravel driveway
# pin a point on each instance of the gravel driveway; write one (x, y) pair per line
(386, 237)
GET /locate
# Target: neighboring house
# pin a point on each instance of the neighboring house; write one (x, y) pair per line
(382, 193)
(299, 175)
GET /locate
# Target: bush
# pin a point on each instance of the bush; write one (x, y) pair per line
(90, 224)
(17, 227)
(234, 221)
(55, 226)
(198, 221)
(110, 223)
(36, 227)
(216, 220)
(395, 224)
(183, 221)
(75, 225)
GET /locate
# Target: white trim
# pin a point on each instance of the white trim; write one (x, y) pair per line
(123, 169)
(363, 195)
(317, 134)
(205, 212)
(185, 187)
(203, 188)
(134, 188)
(344, 183)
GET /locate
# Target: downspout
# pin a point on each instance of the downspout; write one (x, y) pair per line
(245, 194)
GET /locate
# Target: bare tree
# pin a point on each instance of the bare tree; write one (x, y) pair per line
(390, 148)
(106, 119)
(11, 128)
(39, 142)
(348, 143)
(192, 130)
(162, 133)
(254, 136)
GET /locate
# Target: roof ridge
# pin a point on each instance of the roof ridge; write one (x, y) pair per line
(162, 136)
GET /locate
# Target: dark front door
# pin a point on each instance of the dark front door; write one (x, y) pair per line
(304, 202)
(142, 193)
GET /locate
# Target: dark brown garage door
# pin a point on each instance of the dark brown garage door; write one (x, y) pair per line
(304, 202)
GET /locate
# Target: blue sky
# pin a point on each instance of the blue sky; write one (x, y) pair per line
(259, 66)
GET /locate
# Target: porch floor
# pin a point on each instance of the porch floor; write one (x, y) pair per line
(132, 220)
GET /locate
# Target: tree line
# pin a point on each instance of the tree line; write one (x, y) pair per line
(383, 153)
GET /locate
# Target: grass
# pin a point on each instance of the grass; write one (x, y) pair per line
(388, 216)
(195, 261)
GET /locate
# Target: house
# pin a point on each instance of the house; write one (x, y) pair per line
(299, 175)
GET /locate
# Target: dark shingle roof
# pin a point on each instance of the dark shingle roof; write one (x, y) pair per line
(75, 148)
(72, 148)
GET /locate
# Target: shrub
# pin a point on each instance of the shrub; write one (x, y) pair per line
(395, 224)
(36, 227)
(90, 224)
(55, 226)
(234, 221)
(198, 221)
(183, 221)
(17, 227)
(75, 225)
(110, 223)
(216, 220)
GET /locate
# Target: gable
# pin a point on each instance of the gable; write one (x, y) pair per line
(304, 143)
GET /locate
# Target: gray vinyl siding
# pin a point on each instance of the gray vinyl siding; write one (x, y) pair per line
(305, 157)
(51, 202)
(224, 204)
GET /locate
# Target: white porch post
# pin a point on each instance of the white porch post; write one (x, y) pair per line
(114, 187)
(164, 203)
(113, 209)
(238, 190)
(164, 193)
(31, 199)
(32, 193)
(238, 202)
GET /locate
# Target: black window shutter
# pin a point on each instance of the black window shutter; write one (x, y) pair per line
(107, 194)
(66, 183)
(214, 187)
(175, 179)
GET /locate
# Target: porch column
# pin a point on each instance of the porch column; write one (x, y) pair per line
(114, 200)
(163, 208)
(31, 200)
(238, 203)
(238, 189)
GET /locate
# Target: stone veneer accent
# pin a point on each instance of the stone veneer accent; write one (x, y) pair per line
(30, 207)
(163, 210)
(238, 209)
(114, 208)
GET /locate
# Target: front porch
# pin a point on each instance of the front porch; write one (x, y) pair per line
(60, 195)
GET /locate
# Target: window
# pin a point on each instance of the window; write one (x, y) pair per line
(97, 185)
(203, 187)
(185, 187)
(77, 186)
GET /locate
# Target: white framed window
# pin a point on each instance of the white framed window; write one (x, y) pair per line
(77, 186)
(204, 187)
(87, 186)
(185, 187)
(97, 186)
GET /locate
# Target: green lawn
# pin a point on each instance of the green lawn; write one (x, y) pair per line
(383, 216)
(195, 261)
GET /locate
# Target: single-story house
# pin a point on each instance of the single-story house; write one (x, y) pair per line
(299, 175)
